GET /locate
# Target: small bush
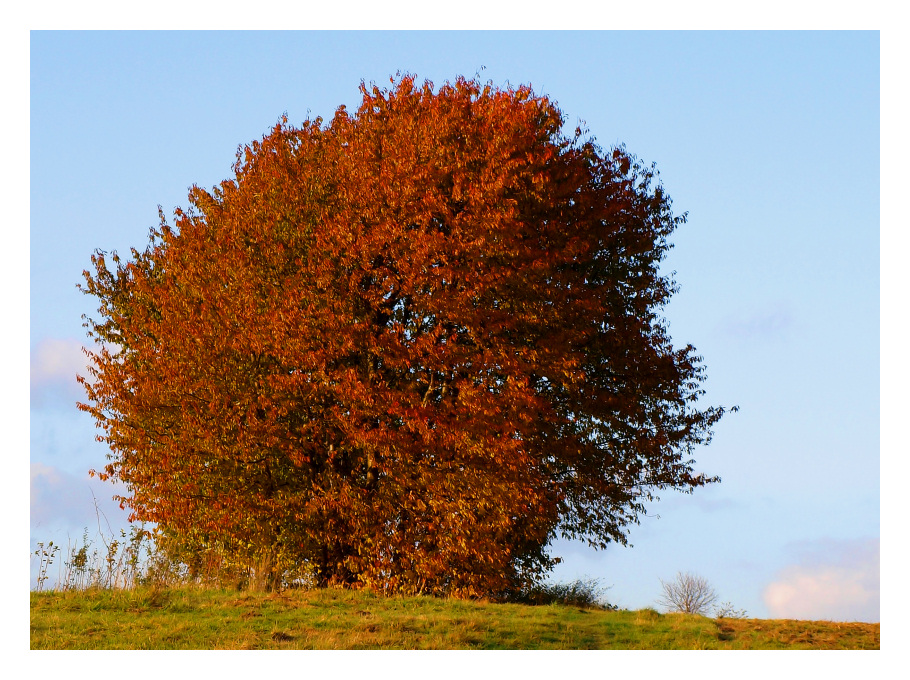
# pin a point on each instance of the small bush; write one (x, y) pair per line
(726, 610)
(585, 592)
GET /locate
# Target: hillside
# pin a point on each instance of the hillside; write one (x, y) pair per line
(191, 618)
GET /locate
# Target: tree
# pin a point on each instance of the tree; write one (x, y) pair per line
(405, 349)
(689, 594)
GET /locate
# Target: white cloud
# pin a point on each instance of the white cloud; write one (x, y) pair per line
(52, 494)
(60, 501)
(55, 359)
(54, 366)
(834, 581)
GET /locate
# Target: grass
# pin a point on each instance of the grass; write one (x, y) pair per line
(122, 592)
(201, 618)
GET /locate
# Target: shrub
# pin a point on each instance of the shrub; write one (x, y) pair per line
(726, 610)
(586, 592)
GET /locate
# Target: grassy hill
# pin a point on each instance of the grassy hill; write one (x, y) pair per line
(194, 618)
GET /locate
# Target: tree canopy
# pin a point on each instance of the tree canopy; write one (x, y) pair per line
(406, 348)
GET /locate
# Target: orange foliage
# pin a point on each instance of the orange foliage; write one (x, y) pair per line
(407, 348)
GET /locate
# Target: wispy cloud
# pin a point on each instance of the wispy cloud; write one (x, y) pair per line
(832, 580)
(759, 324)
(60, 501)
(54, 494)
(709, 505)
(54, 366)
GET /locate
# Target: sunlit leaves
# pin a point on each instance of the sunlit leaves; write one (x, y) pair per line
(406, 348)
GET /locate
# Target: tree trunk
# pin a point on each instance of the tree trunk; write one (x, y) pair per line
(265, 577)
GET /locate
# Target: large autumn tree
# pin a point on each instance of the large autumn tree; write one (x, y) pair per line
(406, 349)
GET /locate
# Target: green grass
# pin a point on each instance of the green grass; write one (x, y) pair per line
(196, 618)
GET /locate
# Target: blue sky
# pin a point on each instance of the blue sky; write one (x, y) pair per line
(770, 143)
